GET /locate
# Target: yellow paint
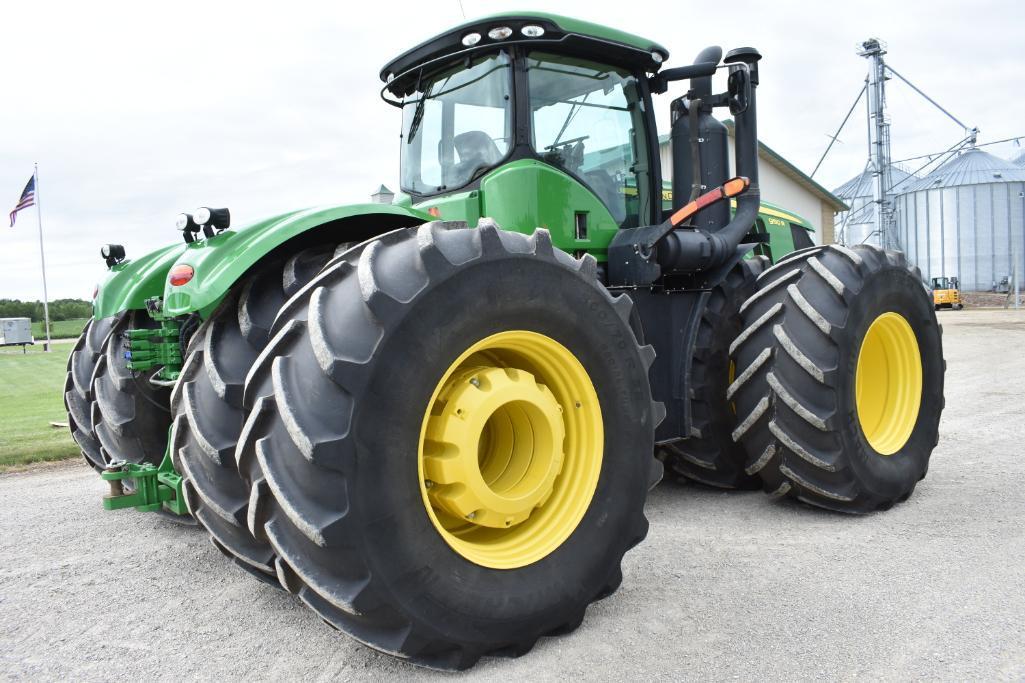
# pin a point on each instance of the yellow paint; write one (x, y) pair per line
(888, 383)
(510, 449)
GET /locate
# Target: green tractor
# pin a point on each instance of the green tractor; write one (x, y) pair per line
(440, 433)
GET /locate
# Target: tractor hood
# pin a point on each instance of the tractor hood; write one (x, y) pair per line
(219, 262)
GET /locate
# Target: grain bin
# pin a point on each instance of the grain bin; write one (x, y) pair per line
(965, 220)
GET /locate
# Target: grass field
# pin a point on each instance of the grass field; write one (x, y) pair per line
(31, 396)
(59, 329)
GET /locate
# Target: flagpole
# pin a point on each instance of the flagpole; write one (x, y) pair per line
(42, 260)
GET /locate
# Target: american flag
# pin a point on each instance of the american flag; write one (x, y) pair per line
(28, 198)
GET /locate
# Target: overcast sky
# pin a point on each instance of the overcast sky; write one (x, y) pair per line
(136, 113)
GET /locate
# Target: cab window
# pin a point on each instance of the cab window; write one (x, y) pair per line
(457, 126)
(588, 120)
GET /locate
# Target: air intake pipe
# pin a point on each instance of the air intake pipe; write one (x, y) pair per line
(691, 250)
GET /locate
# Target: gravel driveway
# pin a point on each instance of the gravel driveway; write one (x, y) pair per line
(727, 585)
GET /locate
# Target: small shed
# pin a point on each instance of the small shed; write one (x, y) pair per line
(15, 331)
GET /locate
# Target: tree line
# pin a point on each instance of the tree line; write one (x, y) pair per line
(60, 309)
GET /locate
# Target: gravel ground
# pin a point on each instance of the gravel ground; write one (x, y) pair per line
(727, 585)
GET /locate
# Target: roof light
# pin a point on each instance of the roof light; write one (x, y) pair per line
(471, 39)
(532, 31)
(656, 56)
(180, 274)
(500, 33)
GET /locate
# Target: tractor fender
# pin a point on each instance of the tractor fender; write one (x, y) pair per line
(220, 261)
(129, 283)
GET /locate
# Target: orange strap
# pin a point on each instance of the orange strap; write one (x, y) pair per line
(731, 188)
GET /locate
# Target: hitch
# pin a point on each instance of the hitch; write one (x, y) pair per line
(153, 487)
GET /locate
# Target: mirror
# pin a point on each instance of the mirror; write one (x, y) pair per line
(739, 90)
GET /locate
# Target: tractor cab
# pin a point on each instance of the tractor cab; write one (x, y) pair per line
(542, 120)
(554, 111)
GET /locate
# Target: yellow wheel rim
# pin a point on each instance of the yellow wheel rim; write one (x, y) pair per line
(888, 383)
(510, 449)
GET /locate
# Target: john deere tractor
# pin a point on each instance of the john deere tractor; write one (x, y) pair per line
(436, 421)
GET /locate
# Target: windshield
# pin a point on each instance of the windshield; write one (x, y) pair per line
(456, 126)
(588, 119)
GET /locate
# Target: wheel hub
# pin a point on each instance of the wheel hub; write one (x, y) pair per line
(888, 383)
(511, 449)
(495, 446)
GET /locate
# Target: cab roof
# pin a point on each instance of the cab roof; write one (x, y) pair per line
(561, 34)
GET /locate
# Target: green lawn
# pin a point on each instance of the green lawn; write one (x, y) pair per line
(31, 396)
(59, 329)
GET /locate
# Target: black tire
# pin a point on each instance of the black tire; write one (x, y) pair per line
(77, 389)
(710, 456)
(336, 404)
(130, 416)
(207, 403)
(796, 359)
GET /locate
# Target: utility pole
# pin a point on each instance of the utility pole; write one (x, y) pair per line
(878, 138)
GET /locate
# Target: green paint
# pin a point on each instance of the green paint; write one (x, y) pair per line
(159, 347)
(129, 284)
(527, 194)
(459, 206)
(153, 487)
(219, 262)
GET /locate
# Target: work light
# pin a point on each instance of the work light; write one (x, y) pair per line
(185, 222)
(112, 254)
(213, 218)
(500, 33)
(471, 39)
(532, 31)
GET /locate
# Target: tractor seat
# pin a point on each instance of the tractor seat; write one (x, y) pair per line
(476, 150)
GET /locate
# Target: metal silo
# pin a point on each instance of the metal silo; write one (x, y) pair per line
(858, 226)
(965, 220)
